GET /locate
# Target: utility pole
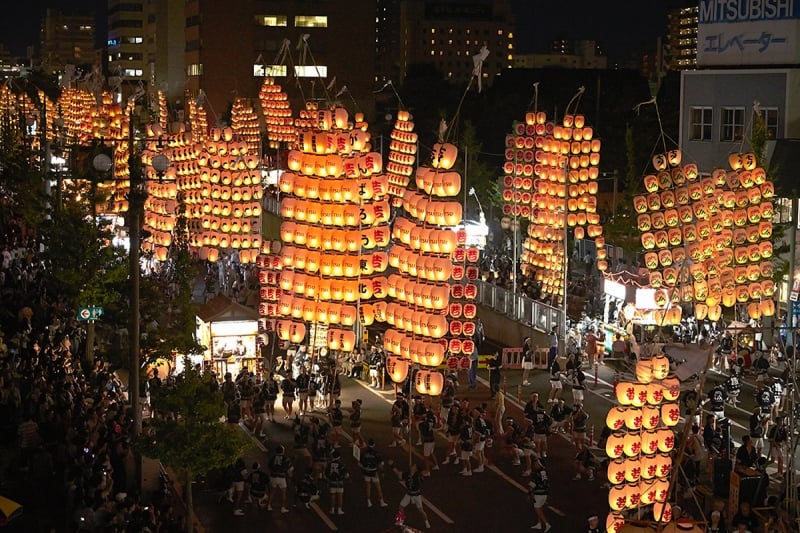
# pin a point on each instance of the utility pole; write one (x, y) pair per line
(135, 204)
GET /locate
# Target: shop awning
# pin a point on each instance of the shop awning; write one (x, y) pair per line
(693, 358)
(223, 309)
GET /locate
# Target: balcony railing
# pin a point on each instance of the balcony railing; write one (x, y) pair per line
(517, 307)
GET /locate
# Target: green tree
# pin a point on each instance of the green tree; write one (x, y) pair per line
(475, 171)
(621, 230)
(189, 438)
(758, 144)
(172, 309)
(84, 266)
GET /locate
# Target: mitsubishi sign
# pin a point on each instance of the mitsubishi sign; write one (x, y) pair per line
(748, 32)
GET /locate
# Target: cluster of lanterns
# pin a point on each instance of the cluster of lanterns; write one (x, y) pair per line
(641, 441)
(722, 223)
(277, 114)
(198, 120)
(244, 122)
(402, 156)
(334, 231)
(424, 254)
(550, 177)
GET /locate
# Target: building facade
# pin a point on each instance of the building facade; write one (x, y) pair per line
(231, 46)
(680, 47)
(580, 54)
(127, 51)
(448, 34)
(67, 39)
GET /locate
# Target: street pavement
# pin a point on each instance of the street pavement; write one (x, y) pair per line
(494, 500)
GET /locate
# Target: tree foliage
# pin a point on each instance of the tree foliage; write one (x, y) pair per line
(189, 437)
(172, 309)
(475, 171)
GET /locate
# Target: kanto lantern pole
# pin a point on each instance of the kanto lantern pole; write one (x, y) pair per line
(563, 344)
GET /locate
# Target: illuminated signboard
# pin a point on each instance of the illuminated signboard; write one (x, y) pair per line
(748, 32)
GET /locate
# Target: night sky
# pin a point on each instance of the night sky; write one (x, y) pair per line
(620, 26)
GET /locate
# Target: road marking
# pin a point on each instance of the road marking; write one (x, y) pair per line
(508, 478)
(414, 452)
(557, 511)
(252, 437)
(325, 518)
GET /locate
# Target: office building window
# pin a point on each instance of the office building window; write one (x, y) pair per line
(132, 72)
(311, 21)
(195, 69)
(271, 20)
(259, 71)
(770, 117)
(731, 126)
(700, 124)
(311, 71)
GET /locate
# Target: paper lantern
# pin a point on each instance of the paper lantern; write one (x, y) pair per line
(396, 368)
(672, 389)
(618, 498)
(660, 364)
(644, 371)
(615, 419)
(616, 472)
(655, 393)
(647, 490)
(615, 445)
(632, 444)
(633, 418)
(662, 512)
(614, 523)
(651, 417)
(633, 471)
(662, 484)
(429, 382)
(670, 414)
(666, 441)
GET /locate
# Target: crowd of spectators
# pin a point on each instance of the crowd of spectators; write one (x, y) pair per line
(66, 446)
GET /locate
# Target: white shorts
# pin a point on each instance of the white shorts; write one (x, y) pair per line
(556, 384)
(577, 395)
(371, 478)
(416, 500)
(527, 365)
(336, 490)
(277, 482)
(539, 500)
(479, 446)
(427, 448)
(465, 455)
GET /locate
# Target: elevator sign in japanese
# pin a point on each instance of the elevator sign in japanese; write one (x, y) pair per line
(748, 32)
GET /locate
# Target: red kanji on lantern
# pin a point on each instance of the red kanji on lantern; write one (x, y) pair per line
(469, 329)
(457, 291)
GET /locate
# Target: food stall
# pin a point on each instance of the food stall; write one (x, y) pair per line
(229, 331)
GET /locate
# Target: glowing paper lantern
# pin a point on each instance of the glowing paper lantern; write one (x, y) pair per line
(615, 445)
